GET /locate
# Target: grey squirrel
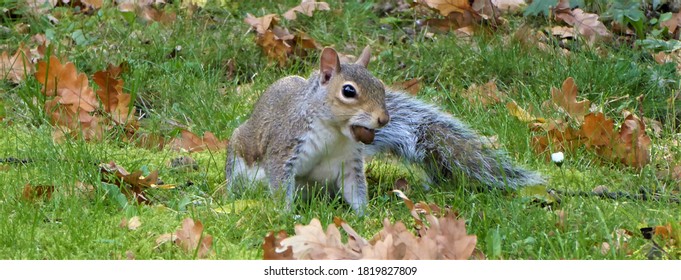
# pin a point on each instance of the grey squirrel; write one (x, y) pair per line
(320, 130)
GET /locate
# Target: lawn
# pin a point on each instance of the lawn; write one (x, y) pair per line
(201, 69)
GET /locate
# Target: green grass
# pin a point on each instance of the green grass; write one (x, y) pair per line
(188, 90)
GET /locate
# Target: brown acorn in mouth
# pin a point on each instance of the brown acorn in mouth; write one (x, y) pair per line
(363, 134)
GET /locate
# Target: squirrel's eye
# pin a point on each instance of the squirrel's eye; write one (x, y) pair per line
(349, 91)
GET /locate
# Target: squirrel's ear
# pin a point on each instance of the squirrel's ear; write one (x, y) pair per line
(364, 57)
(330, 64)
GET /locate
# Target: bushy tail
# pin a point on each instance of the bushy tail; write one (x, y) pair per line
(442, 144)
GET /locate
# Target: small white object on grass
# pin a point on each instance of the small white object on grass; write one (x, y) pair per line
(558, 158)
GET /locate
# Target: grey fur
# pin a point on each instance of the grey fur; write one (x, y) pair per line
(421, 133)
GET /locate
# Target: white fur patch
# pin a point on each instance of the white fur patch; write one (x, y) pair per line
(251, 173)
(324, 151)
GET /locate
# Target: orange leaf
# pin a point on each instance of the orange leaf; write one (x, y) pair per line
(193, 143)
(191, 237)
(412, 86)
(598, 130)
(633, 146)
(445, 7)
(36, 192)
(566, 98)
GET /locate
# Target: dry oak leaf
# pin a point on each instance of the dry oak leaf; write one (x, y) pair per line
(192, 143)
(446, 7)
(633, 147)
(63, 80)
(485, 95)
(567, 139)
(192, 238)
(412, 86)
(306, 7)
(16, 67)
(110, 93)
(586, 24)
(274, 47)
(566, 98)
(311, 243)
(132, 223)
(598, 130)
(673, 23)
(564, 32)
(262, 24)
(486, 9)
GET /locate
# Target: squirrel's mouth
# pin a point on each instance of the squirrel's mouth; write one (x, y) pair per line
(363, 134)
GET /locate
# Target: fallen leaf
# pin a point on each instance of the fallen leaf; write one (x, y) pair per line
(16, 67)
(563, 32)
(111, 95)
(446, 7)
(306, 7)
(598, 130)
(521, 113)
(272, 248)
(633, 147)
(412, 86)
(192, 143)
(262, 24)
(192, 238)
(586, 24)
(32, 193)
(132, 223)
(566, 98)
(485, 95)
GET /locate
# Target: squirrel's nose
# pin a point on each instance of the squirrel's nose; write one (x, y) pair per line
(383, 120)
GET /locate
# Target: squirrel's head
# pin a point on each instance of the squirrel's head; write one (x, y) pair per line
(357, 98)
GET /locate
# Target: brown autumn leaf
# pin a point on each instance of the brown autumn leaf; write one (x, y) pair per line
(633, 147)
(486, 9)
(598, 130)
(192, 238)
(262, 24)
(311, 242)
(71, 102)
(566, 98)
(565, 139)
(131, 224)
(15, 67)
(191, 142)
(32, 193)
(274, 48)
(443, 237)
(484, 95)
(586, 24)
(272, 248)
(446, 7)
(111, 95)
(673, 23)
(132, 184)
(563, 32)
(412, 86)
(306, 7)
